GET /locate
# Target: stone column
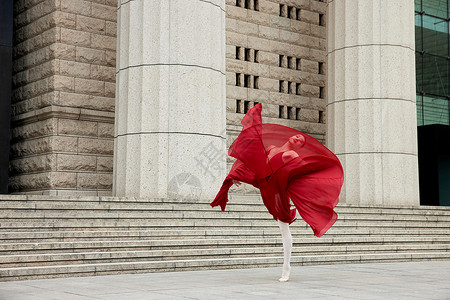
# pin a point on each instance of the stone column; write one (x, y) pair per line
(170, 100)
(371, 99)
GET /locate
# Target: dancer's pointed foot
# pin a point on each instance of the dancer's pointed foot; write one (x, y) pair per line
(285, 275)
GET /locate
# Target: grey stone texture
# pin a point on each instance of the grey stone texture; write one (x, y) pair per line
(55, 236)
(414, 280)
(63, 97)
(64, 83)
(372, 115)
(170, 105)
(281, 44)
(286, 54)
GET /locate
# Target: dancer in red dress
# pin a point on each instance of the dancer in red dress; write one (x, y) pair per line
(285, 164)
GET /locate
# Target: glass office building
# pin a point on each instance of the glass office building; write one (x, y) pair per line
(432, 20)
(433, 61)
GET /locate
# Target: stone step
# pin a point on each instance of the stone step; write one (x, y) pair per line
(61, 215)
(132, 245)
(249, 200)
(7, 261)
(43, 236)
(198, 264)
(60, 236)
(132, 224)
(234, 199)
(92, 210)
(203, 207)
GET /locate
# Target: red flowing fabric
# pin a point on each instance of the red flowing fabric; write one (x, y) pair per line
(285, 164)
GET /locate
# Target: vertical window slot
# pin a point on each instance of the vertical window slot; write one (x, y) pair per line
(321, 68)
(246, 81)
(280, 112)
(281, 88)
(321, 20)
(246, 104)
(238, 106)
(256, 5)
(247, 54)
(290, 113)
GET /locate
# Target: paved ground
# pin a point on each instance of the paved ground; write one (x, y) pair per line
(409, 280)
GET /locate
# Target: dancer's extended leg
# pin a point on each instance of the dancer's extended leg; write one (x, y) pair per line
(287, 249)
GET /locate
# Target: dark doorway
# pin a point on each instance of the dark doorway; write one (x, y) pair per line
(434, 164)
(6, 36)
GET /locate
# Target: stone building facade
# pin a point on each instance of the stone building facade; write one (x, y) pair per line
(276, 55)
(64, 84)
(63, 97)
(126, 98)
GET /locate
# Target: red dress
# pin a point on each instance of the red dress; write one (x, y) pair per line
(285, 164)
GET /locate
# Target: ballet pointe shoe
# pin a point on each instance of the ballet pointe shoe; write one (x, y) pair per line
(285, 275)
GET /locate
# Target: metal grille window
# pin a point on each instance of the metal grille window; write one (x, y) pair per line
(432, 20)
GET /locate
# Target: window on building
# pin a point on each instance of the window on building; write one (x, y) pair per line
(289, 62)
(247, 54)
(281, 86)
(297, 88)
(321, 19)
(290, 114)
(246, 81)
(321, 68)
(283, 10)
(256, 5)
(256, 82)
(281, 112)
(246, 106)
(321, 116)
(432, 20)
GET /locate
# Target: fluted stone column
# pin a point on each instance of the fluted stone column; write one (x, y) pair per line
(371, 99)
(170, 100)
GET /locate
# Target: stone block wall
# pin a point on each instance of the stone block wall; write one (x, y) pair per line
(64, 83)
(63, 96)
(276, 55)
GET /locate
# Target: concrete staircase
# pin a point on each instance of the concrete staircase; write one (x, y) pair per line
(43, 236)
